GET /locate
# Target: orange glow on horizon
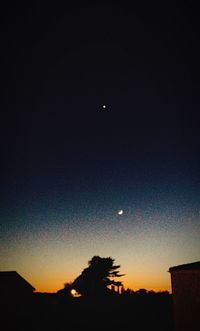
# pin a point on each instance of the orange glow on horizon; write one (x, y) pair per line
(149, 277)
(54, 289)
(135, 284)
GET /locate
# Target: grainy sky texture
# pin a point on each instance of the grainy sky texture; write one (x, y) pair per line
(69, 164)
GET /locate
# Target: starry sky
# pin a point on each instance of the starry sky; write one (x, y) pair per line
(68, 164)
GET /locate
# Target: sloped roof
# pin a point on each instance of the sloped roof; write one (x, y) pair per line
(188, 266)
(12, 280)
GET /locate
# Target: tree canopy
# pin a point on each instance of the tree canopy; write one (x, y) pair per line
(95, 279)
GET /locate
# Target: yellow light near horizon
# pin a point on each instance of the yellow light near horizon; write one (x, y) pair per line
(74, 293)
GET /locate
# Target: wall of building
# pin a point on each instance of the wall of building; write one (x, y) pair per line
(186, 297)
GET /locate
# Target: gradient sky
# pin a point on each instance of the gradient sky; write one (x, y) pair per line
(68, 165)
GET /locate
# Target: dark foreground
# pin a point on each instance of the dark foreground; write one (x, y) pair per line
(135, 312)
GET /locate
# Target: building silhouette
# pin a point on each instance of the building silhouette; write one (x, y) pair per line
(14, 288)
(185, 280)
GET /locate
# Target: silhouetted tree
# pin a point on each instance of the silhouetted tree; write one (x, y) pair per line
(65, 294)
(66, 290)
(95, 279)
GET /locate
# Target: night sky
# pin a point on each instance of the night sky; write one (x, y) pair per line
(69, 164)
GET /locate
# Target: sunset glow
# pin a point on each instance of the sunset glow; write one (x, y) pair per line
(100, 142)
